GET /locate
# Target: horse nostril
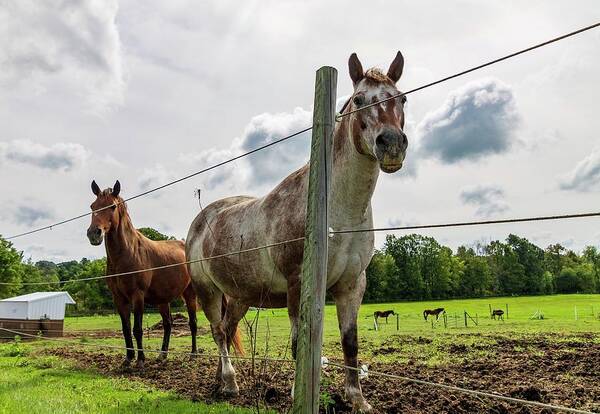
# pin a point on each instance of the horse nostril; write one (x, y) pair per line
(404, 142)
(380, 142)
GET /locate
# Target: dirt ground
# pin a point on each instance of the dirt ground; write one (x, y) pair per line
(538, 368)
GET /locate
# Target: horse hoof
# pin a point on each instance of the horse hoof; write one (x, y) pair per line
(362, 407)
(126, 364)
(230, 391)
(139, 364)
(162, 356)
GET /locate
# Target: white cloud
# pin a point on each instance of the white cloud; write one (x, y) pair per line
(154, 177)
(488, 199)
(585, 176)
(476, 120)
(264, 167)
(62, 156)
(62, 46)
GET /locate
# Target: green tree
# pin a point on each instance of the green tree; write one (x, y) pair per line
(380, 275)
(154, 234)
(10, 269)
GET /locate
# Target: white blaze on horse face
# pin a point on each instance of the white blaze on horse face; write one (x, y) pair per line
(371, 120)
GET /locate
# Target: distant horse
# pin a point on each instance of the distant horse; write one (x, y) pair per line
(127, 250)
(499, 313)
(364, 143)
(435, 312)
(383, 314)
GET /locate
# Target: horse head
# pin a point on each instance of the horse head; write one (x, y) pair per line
(377, 131)
(105, 212)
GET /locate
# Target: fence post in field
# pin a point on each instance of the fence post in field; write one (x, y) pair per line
(507, 311)
(375, 326)
(397, 322)
(455, 320)
(575, 312)
(445, 320)
(465, 319)
(490, 305)
(314, 263)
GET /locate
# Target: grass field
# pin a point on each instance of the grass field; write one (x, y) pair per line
(53, 385)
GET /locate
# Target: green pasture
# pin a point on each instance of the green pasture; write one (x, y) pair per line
(53, 385)
(558, 312)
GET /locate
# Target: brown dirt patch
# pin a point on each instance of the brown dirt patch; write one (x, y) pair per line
(538, 368)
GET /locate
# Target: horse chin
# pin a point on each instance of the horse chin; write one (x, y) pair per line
(94, 242)
(390, 168)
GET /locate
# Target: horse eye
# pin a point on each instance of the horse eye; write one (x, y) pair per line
(358, 100)
(113, 206)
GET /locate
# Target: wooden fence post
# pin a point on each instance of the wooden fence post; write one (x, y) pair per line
(314, 264)
(397, 322)
(490, 305)
(465, 319)
(506, 311)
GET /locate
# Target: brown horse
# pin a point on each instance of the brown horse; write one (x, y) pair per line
(127, 250)
(383, 314)
(364, 142)
(499, 313)
(435, 312)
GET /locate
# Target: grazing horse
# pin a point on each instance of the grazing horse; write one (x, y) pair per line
(499, 313)
(435, 312)
(364, 142)
(128, 250)
(383, 314)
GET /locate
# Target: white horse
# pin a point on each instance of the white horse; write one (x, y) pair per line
(364, 143)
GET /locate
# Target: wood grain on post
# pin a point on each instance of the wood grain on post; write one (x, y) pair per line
(314, 264)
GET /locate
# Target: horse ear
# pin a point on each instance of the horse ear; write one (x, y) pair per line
(355, 68)
(395, 70)
(95, 188)
(116, 189)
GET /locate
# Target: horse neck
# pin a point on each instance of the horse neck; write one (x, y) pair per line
(354, 177)
(124, 239)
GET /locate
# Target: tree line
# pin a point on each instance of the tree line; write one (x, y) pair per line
(417, 267)
(412, 267)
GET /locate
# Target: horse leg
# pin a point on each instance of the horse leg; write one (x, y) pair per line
(138, 333)
(234, 312)
(125, 313)
(211, 304)
(167, 320)
(191, 303)
(348, 297)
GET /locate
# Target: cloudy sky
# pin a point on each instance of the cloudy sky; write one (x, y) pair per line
(145, 92)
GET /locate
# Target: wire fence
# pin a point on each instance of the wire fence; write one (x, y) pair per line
(325, 363)
(346, 113)
(333, 233)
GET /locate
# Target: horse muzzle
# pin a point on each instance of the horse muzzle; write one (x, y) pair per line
(95, 236)
(390, 150)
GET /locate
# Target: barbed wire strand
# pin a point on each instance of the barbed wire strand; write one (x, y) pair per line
(170, 183)
(473, 69)
(466, 391)
(328, 363)
(447, 78)
(132, 272)
(469, 223)
(332, 232)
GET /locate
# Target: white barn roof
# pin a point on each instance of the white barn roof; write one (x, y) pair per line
(38, 305)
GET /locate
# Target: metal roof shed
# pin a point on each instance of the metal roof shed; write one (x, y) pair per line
(34, 313)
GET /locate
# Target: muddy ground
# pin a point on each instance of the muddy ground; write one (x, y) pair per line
(549, 369)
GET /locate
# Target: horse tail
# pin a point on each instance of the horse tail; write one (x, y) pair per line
(236, 337)
(425, 314)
